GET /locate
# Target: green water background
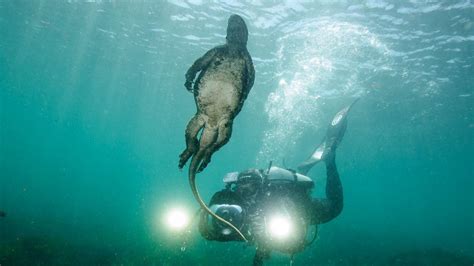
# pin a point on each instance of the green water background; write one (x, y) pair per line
(93, 111)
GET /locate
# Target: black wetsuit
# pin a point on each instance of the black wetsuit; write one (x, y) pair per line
(323, 210)
(253, 200)
(314, 210)
(318, 210)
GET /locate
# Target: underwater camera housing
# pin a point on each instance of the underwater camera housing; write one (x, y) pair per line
(267, 206)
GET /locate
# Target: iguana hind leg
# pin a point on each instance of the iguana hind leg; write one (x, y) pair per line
(192, 143)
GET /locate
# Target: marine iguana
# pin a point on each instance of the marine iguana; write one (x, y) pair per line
(226, 77)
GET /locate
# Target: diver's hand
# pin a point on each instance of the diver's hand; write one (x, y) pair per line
(189, 85)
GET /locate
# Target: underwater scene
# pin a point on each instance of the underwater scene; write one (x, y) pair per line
(96, 97)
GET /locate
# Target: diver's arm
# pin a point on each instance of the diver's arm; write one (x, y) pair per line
(197, 66)
(324, 210)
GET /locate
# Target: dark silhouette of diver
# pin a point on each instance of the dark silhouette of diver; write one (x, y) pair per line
(252, 197)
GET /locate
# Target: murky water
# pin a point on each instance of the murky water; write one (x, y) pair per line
(93, 111)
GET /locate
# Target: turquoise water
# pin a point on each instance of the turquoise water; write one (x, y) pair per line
(93, 111)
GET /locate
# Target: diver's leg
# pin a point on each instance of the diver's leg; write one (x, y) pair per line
(224, 132)
(334, 191)
(324, 210)
(192, 129)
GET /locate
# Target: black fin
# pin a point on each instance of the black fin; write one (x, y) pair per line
(334, 135)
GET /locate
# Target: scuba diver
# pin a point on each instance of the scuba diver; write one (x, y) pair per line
(273, 207)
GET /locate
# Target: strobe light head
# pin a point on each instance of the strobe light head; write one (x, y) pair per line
(177, 219)
(279, 227)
